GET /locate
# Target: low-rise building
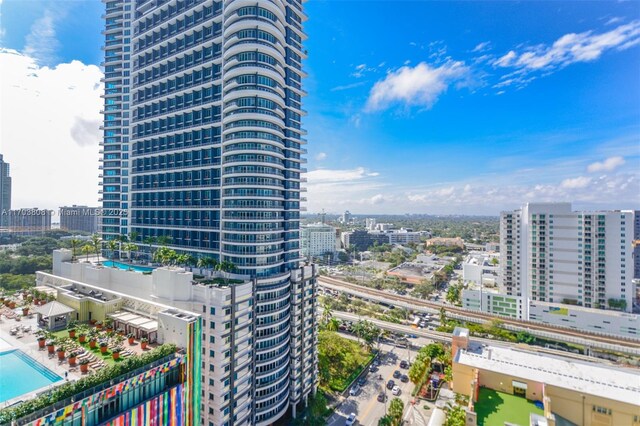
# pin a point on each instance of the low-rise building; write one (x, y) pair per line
(447, 242)
(567, 390)
(493, 302)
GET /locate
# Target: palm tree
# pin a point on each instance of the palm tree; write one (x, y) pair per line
(112, 245)
(86, 249)
(163, 240)
(95, 242)
(226, 266)
(133, 236)
(130, 247)
(150, 241)
(190, 259)
(74, 246)
(333, 324)
(181, 259)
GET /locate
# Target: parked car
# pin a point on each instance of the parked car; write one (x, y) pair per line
(355, 389)
(397, 374)
(404, 378)
(391, 384)
(396, 390)
(404, 364)
(362, 381)
(382, 397)
(373, 368)
(351, 420)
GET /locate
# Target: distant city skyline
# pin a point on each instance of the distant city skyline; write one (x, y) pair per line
(473, 108)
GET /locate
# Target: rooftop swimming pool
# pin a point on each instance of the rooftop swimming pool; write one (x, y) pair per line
(127, 267)
(21, 374)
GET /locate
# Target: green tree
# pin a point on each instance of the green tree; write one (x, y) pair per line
(74, 248)
(96, 242)
(443, 316)
(112, 245)
(417, 369)
(385, 421)
(396, 408)
(456, 416)
(130, 247)
(87, 249)
(333, 324)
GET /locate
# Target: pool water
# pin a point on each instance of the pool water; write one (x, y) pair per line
(20, 374)
(126, 266)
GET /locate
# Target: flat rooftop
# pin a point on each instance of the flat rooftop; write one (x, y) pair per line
(605, 382)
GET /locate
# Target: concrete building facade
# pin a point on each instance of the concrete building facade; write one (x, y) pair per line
(5, 190)
(552, 254)
(203, 147)
(79, 218)
(318, 240)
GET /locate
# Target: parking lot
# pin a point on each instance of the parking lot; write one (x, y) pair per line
(365, 404)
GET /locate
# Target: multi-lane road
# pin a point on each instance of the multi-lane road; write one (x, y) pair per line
(588, 339)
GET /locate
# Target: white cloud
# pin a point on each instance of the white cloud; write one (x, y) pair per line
(321, 156)
(332, 175)
(49, 118)
(482, 47)
(377, 199)
(417, 86)
(571, 48)
(578, 182)
(607, 165)
(41, 42)
(614, 20)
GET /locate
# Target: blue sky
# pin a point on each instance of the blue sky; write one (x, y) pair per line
(423, 107)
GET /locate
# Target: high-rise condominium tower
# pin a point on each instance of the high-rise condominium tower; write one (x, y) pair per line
(203, 145)
(5, 191)
(552, 254)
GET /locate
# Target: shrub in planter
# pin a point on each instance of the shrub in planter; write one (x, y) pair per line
(84, 365)
(115, 353)
(60, 351)
(93, 342)
(82, 337)
(144, 342)
(25, 311)
(41, 341)
(130, 338)
(103, 347)
(121, 331)
(98, 325)
(71, 328)
(72, 358)
(51, 346)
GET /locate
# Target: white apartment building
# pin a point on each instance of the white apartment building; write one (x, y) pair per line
(406, 236)
(550, 253)
(318, 240)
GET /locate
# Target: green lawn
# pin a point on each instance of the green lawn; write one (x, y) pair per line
(106, 357)
(495, 408)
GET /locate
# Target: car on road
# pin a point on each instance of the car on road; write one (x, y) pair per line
(413, 336)
(397, 374)
(404, 364)
(396, 390)
(362, 381)
(391, 384)
(354, 390)
(404, 378)
(382, 397)
(351, 420)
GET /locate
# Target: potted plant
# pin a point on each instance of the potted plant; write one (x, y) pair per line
(98, 325)
(84, 365)
(144, 342)
(121, 331)
(130, 338)
(103, 347)
(25, 309)
(72, 358)
(60, 352)
(71, 328)
(42, 338)
(108, 323)
(82, 335)
(115, 352)
(12, 304)
(93, 342)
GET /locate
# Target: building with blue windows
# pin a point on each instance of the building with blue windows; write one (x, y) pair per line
(203, 148)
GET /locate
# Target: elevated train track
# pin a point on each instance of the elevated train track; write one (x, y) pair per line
(563, 334)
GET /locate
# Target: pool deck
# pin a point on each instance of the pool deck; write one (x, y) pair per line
(29, 345)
